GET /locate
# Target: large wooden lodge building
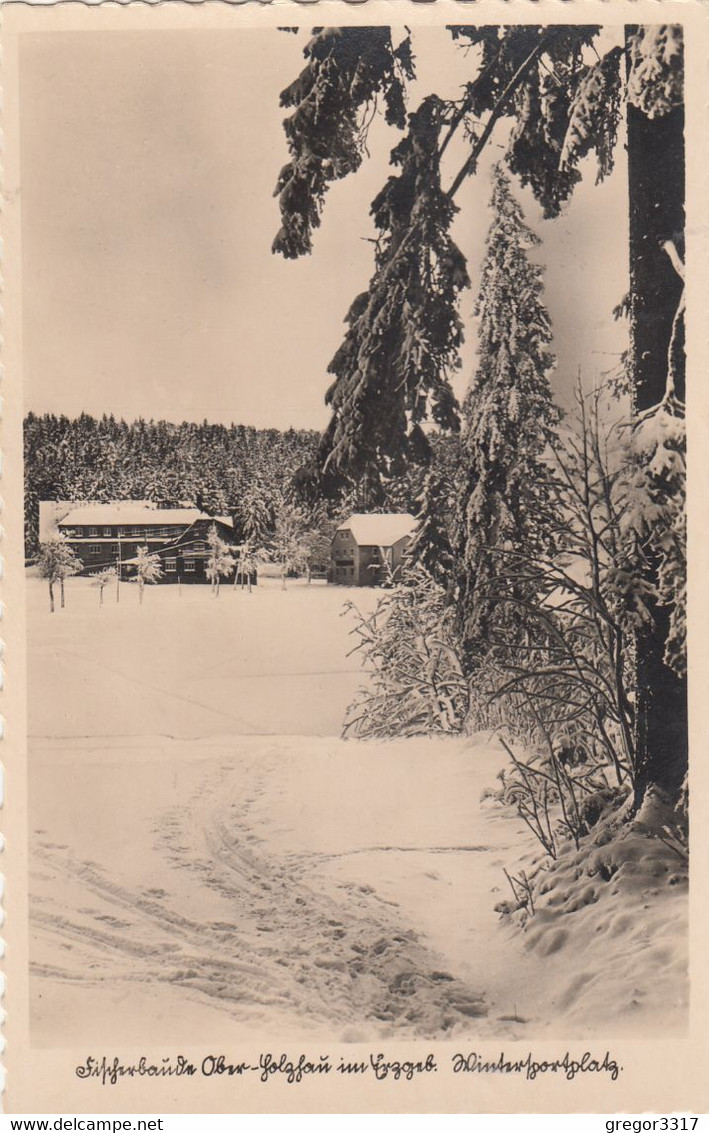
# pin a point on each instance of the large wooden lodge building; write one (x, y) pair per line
(108, 535)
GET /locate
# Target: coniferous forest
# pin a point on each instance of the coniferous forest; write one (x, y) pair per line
(236, 470)
(222, 469)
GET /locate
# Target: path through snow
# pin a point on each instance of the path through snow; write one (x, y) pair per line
(325, 888)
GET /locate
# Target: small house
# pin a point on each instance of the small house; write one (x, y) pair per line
(369, 549)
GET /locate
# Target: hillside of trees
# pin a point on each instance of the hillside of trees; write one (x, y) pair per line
(225, 470)
(235, 470)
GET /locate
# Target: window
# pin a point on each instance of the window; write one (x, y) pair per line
(136, 532)
(170, 565)
(92, 532)
(94, 550)
(190, 566)
(107, 531)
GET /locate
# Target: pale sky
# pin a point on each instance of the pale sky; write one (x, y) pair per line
(148, 165)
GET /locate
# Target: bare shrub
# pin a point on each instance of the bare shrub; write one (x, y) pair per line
(417, 685)
(523, 891)
(560, 688)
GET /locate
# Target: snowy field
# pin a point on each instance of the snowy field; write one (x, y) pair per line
(187, 665)
(210, 860)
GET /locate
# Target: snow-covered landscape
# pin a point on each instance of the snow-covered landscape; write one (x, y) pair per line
(355, 543)
(210, 859)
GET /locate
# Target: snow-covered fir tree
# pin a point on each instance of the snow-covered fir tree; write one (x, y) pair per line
(509, 416)
(392, 371)
(147, 569)
(255, 515)
(220, 561)
(431, 543)
(289, 544)
(56, 562)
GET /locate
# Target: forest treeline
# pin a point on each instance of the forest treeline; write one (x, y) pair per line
(234, 470)
(223, 469)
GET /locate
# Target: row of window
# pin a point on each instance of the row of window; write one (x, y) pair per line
(127, 549)
(170, 564)
(163, 532)
(102, 549)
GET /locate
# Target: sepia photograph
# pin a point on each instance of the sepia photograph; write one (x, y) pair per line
(355, 559)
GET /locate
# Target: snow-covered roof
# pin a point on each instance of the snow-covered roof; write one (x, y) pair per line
(381, 529)
(136, 515)
(52, 512)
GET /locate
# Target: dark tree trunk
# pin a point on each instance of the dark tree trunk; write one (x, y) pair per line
(661, 741)
(656, 192)
(656, 198)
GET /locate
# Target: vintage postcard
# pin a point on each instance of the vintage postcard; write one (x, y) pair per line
(351, 744)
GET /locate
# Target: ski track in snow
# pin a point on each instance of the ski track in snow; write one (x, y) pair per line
(332, 961)
(194, 879)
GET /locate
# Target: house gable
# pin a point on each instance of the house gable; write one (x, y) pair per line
(366, 547)
(379, 529)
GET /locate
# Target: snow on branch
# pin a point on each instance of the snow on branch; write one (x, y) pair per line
(655, 80)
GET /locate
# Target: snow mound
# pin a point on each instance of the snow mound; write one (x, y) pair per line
(611, 920)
